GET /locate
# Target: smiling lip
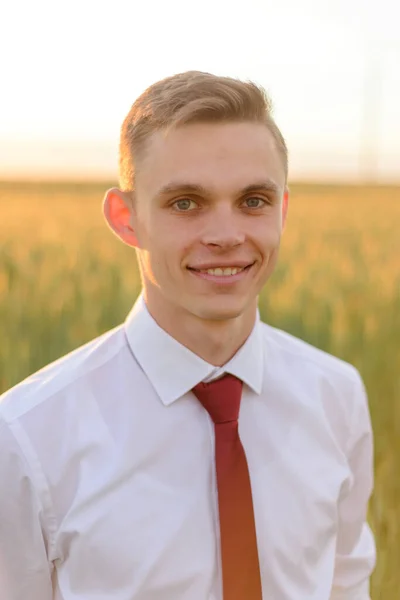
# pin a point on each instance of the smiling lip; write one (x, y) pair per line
(222, 279)
(205, 266)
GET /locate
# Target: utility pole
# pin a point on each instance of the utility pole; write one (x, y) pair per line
(370, 118)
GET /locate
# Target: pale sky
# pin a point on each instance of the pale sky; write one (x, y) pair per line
(71, 70)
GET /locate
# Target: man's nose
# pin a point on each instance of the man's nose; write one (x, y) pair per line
(224, 228)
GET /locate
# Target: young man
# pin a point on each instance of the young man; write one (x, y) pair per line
(194, 452)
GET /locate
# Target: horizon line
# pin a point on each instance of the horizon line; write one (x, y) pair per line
(109, 182)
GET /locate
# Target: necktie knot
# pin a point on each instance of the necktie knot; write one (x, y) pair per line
(221, 398)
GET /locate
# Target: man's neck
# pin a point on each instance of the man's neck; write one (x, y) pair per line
(216, 342)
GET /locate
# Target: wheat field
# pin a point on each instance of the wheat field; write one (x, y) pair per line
(64, 279)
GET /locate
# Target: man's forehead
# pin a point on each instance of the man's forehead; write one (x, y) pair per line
(192, 133)
(211, 155)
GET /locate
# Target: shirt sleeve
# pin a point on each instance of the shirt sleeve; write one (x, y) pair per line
(25, 571)
(355, 549)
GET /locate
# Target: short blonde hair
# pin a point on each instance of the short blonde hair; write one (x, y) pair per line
(191, 97)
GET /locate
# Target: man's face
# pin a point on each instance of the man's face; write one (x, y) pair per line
(209, 197)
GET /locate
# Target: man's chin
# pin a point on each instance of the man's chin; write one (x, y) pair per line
(221, 311)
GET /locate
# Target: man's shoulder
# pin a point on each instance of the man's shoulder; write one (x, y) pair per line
(61, 373)
(297, 352)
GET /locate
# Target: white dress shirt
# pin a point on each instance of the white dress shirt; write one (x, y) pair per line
(107, 475)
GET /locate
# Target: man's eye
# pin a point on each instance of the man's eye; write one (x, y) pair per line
(254, 202)
(184, 204)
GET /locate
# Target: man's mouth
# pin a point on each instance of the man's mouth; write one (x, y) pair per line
(222, 271)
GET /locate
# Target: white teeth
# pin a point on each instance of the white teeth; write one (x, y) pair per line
(227, 271)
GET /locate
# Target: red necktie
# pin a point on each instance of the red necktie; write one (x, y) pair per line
(240, 565)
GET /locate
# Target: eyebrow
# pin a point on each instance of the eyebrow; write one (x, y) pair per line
(174, 187)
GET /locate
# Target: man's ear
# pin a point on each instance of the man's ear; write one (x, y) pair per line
(285, 206)
(117, 211)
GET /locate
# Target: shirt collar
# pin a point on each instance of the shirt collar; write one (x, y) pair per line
(173, 369)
